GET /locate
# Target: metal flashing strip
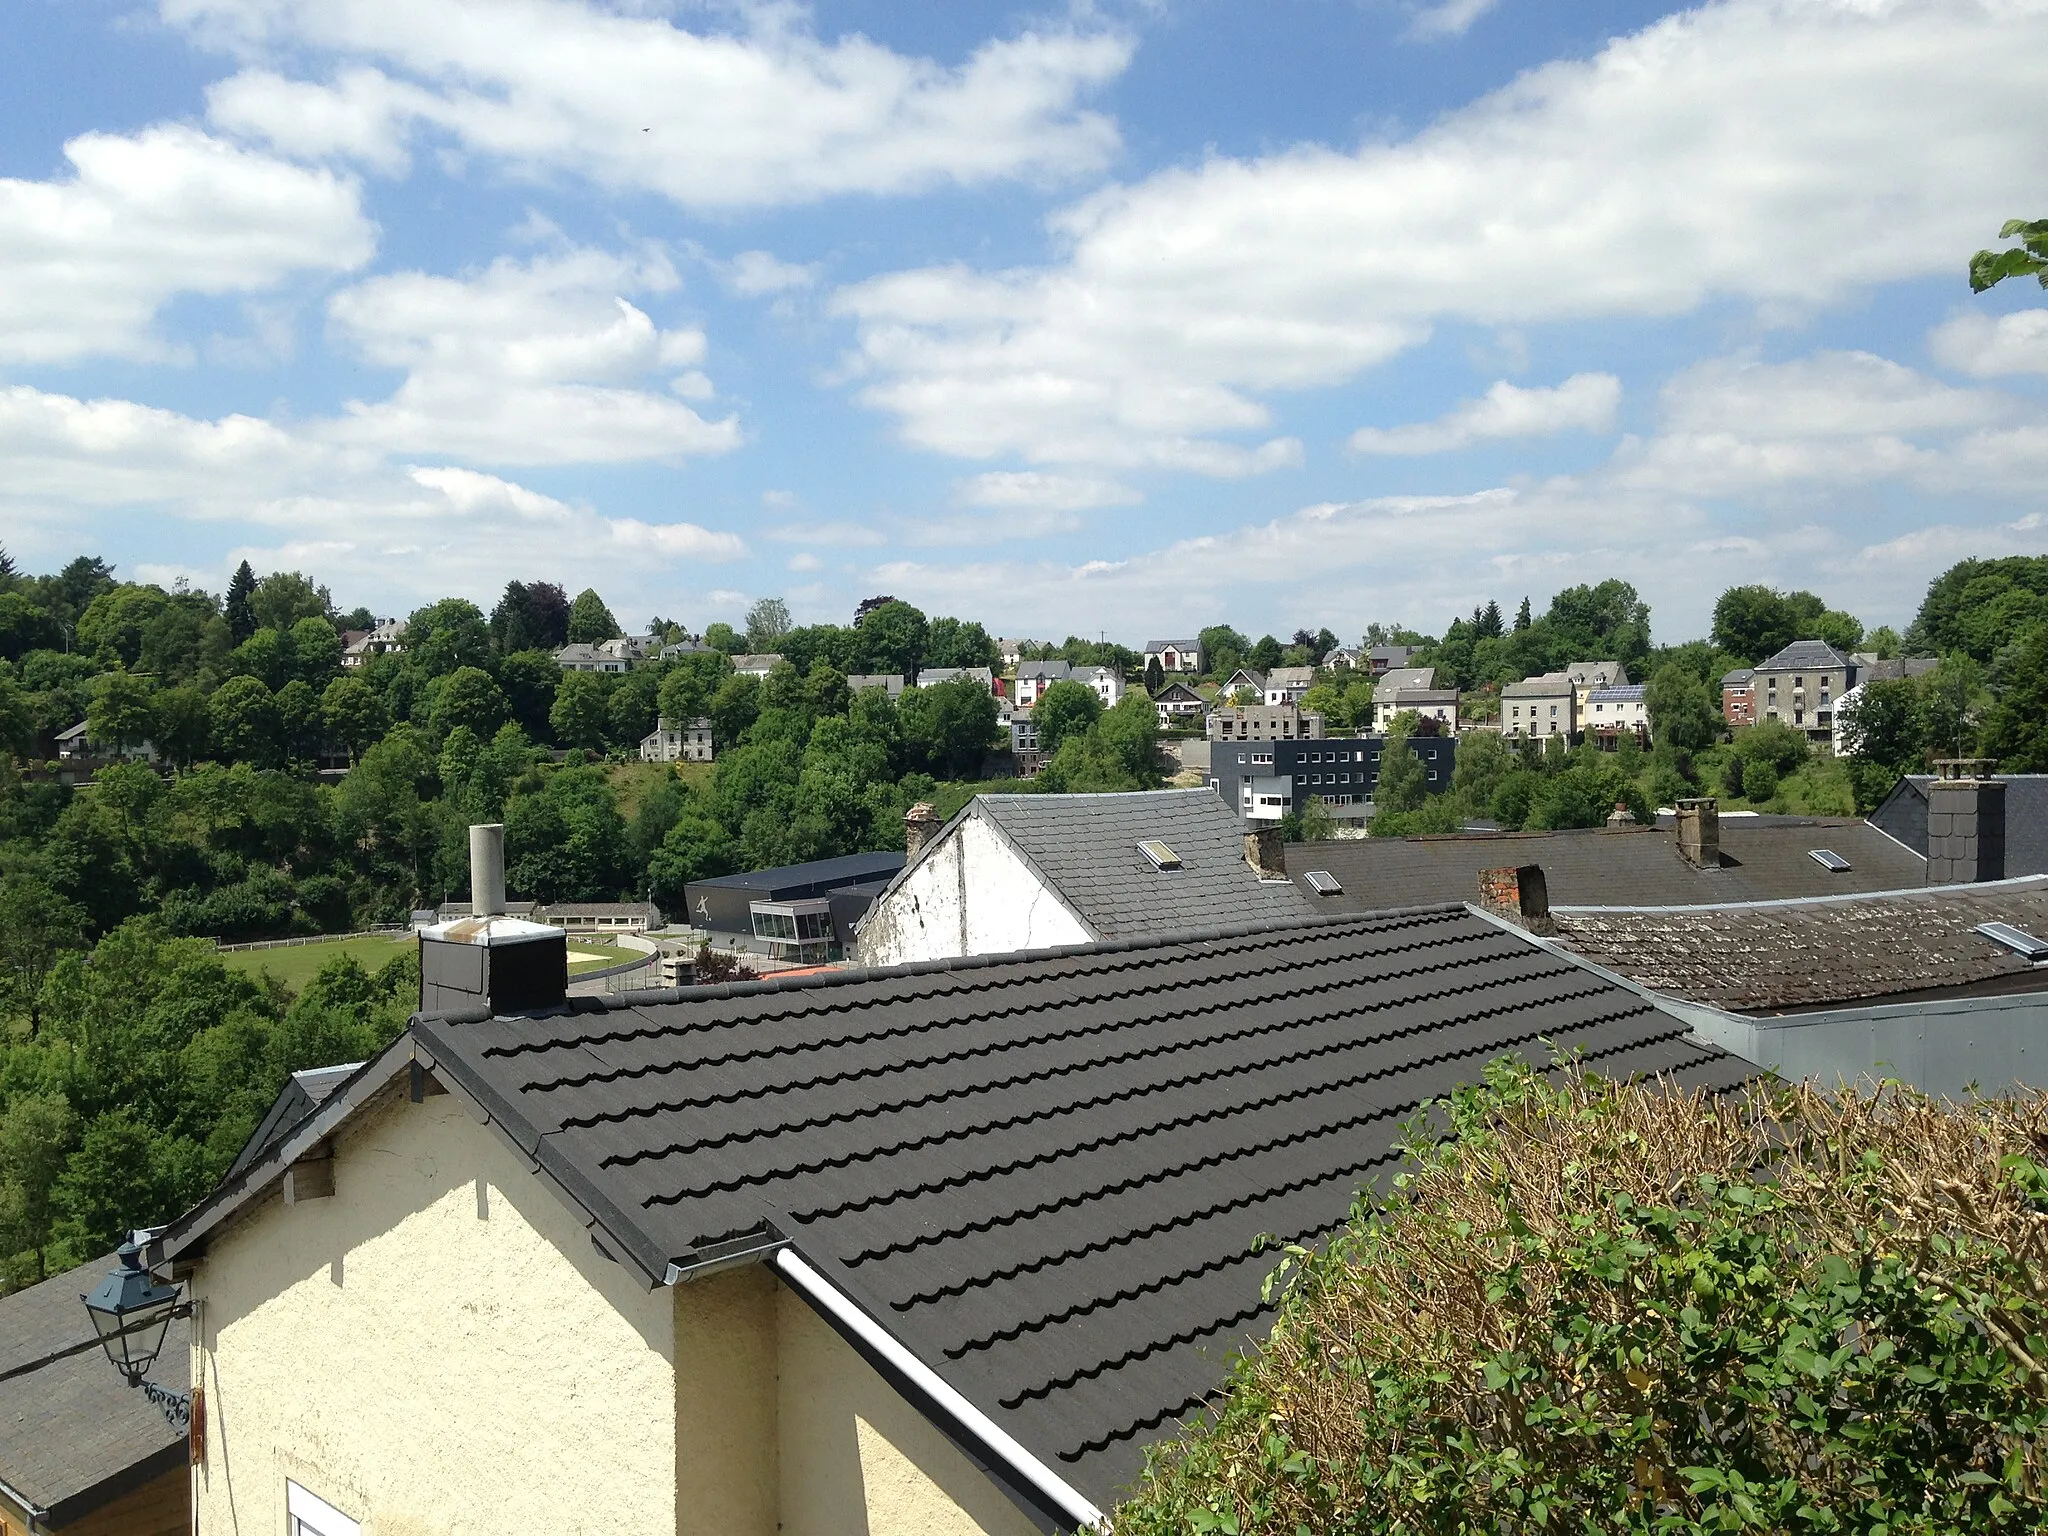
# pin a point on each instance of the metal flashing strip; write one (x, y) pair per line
(2012, 883)
(978, 1426)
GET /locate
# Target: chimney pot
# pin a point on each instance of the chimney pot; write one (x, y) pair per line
(1266, 854)
(920, 824)
(1699, 832)
(487, 870)
(1521, 895)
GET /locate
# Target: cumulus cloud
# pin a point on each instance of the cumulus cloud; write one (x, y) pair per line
(770, 114)
(1979, 345)
(754, 273)
(532, 362)
(1787, 153)
(1449, 18)
(1585, 402)
(87, 260)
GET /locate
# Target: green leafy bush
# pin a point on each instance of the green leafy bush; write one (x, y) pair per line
(1596, 1307)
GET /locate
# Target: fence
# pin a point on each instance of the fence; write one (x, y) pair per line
(312, 938)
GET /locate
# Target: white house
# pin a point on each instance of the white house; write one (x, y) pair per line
(1438, 704)
(1586, 676)
(931, 677)
(1543, 706)
(73, 743)
(1286, 685)
(671, 742)
(1016, 872)
(1034, 677)
(1174, 655)
(1178, 704)
(756, 665)
(1107, 682)
(360, 646)
(588, 658)
(1610, 711)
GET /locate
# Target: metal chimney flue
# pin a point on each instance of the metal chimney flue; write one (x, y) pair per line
(487, 870)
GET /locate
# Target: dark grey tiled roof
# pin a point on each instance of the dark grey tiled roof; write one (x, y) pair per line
(820, 872)
(73, 1434)
(301, 1094)
(1738, 677)
(1812, 655)
(1807, 954)
(1904, 815)
(1762, 859)
(1044, 1174)
(1085, 847)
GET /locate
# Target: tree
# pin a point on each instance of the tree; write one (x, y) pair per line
(469, 696)
(180, 724)
(26, 626)
(120, 715)
(1977, 607)
(958, 643)
(298, 720)
(1952, 696)
(590, 621)
(530, 617)
(37, 926)
(240, 616)
(2016, 731)
(1402, 780)
(245, 722)
(445, 635)
(1155, 676)
(113, 625)
(953, 724)
(723, 637)
(1065, 709)
(123, 1175)
(1682, 711)
(283, 598)
(767, 623)
(1265, 655)
(892, 639)
(579, 716)
(1522, 616)
(17, 717)
(2029, 258)
(352, 715)
(696, 847)
(315, 651)
(37, 1133)
(530, 679)
(1884, 724)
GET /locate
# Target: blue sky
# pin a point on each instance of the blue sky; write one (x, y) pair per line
(1119, 317)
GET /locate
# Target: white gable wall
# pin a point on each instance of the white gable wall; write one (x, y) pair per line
(969, 895)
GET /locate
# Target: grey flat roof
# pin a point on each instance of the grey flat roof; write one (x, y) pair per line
(844, 870)
(1761, 860)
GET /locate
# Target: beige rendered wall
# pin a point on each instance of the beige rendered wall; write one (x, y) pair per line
(971, 895)
(435, 1348)
(782, 1427)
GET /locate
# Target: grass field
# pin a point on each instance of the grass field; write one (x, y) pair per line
(296, 964)
(631, 781)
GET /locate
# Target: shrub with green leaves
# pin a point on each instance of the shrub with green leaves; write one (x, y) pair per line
(1594, 1307)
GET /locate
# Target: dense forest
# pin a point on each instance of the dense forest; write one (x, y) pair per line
(295, 795)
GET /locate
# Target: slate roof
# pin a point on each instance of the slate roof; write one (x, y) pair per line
(1042, 1173)
(73, 1434)
(1791, 956)
(1904, 815)
(1804, 655)
(1547, 685)
(1085, 849)
(599, 909)
(1051, 671)
(1738, 678)
(1762, 859)
(1396, 678)
(301, 1094)
(818, 872)
(1290, 677)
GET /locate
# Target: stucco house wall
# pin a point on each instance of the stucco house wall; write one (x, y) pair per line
(970, 895)
(436, 1340)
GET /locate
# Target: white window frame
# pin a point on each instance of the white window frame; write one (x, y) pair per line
(307, 1514)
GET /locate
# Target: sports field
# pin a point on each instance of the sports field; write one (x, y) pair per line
(295, 964)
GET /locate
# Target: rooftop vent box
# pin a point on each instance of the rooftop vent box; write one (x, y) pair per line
(505, 964)
(1162, 857)
(1828, 859)
(1323, 883)
(2018, 940)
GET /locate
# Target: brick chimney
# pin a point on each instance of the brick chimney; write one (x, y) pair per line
(1699, 832)
(920, 825)
(1264, 852)
(1520, 895)
(1965, 823)
(1620, 818)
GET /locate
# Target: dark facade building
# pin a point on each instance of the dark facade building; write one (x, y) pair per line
(1264, 780)
(797, 912)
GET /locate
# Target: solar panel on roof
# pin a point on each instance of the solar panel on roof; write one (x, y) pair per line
(2018, 940)
(1323, 883)
(1828, 859)
(1162, 857)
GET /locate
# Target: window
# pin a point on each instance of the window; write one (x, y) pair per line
(2018, 940)
(1829, 860)
(307, 1514)
(1162, 857)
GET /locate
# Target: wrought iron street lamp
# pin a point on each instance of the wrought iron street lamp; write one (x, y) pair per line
(131, 1313)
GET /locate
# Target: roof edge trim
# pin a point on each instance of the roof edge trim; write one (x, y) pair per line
(2013, 882)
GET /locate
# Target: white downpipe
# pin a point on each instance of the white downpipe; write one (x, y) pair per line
(979, 1424)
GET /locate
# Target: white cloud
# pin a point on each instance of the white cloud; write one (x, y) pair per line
(1788, 153)
(768, 115)
(1007, 489)
(87, 261)
(1585, 402)
(806, 561)
(526, 363)
(1979, 345)
(754, 273)
(1449, 18)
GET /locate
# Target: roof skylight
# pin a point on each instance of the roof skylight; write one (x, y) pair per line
(1162, 857)
(1323, 883)
(2018, 940)
(1828, 859)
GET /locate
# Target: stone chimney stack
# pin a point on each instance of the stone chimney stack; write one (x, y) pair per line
(1699, 832)
(1520, 895)
(1620, 818)
(920, 825)
(1264, 852)
(1965, 823)
(487, 870)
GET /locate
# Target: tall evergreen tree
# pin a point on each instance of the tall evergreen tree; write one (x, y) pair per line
(240, 616)
(1489, 625)
(1522, 616)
